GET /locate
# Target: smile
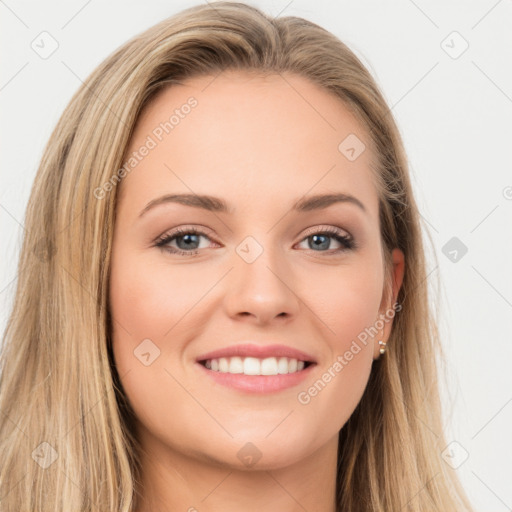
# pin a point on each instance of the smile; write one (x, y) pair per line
(258, 376)
(256, 366)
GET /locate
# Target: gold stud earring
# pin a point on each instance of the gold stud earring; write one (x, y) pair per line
(383, 347)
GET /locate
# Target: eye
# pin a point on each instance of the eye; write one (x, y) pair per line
(320, 240)
(187, 240)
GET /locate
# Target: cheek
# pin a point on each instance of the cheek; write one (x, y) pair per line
(147, 300)
(341, 379)
(347, 300)
(347, 303)
(147, 304)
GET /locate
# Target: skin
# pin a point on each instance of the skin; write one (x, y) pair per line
(261, 144)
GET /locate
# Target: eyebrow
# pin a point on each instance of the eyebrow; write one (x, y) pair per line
(215, 204)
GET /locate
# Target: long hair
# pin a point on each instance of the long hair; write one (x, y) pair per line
(66, 429)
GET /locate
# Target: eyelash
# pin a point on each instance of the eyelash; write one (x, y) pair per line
(347, 242)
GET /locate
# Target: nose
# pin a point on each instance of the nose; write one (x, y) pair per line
(262, 290)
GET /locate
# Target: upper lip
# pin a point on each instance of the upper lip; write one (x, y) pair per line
(259, 351)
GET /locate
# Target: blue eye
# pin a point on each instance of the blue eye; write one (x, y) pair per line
(189, 237)
(320, 239)
(188, 241)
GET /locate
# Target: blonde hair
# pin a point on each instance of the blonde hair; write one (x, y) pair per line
(59, 384)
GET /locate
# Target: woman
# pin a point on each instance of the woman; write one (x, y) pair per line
(286, 362)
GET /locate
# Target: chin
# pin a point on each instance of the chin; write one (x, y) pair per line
(260, 453)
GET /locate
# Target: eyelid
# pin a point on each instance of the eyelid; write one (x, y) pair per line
(325, 228)
(196, 228)
(341, 235)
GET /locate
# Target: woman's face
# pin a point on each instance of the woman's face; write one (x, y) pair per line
(272, 270)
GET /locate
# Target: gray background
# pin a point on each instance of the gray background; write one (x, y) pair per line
(454, 109)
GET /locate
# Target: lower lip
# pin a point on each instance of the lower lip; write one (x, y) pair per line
(258, 383)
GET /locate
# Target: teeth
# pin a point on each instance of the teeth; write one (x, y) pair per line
(268, 366)
(282, 365)
(252, 366)
(223, 365)
(255, 366)
(236, 365)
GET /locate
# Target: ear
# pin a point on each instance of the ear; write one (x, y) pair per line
(389, 298)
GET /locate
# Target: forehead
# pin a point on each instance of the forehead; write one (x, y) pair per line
(243, 135)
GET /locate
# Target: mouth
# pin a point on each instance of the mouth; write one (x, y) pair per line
(256, 376)
(256, 366)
